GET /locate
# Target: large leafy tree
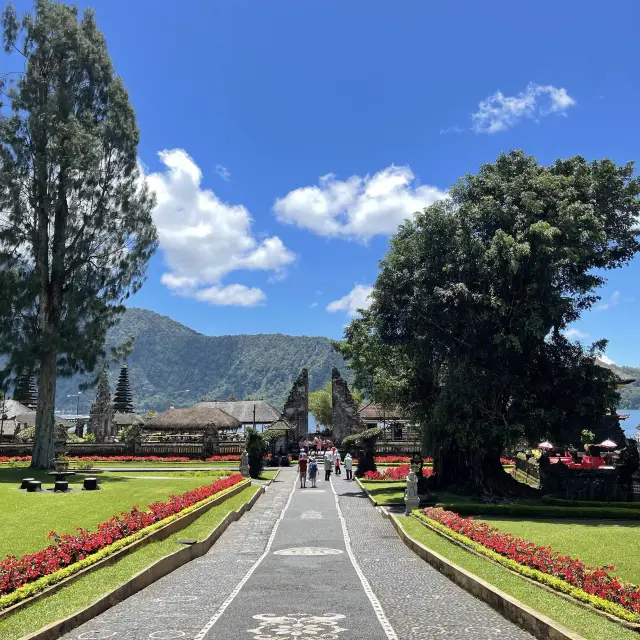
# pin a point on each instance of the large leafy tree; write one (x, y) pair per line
(472, 299)
(320, 405)
(76, 231)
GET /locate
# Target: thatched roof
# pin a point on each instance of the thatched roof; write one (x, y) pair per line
(375, 412)
(196, 418)
(29, 418)
(280, 425)
(243, 410)
(12, 408)
(127, 419)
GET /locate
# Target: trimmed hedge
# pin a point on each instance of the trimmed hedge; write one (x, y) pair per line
(32, 588)
(544, 578)
(589, 503)
(542, 511)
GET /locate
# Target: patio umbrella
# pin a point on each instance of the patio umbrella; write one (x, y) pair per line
(608, 444)
(545, 445)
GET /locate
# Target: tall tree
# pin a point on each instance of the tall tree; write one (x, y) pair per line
(320, 405)
(471, 301)
(123, 397)
(76, 231)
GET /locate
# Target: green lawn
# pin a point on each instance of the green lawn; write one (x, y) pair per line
(595, 542)
(590, 625)
(89, 588)
(27, 518)
(386, 492)
(268, 474)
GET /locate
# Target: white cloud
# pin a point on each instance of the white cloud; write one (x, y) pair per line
(223, 172)
(613, 302)
(357, 207)
(574, 333)
(313, 305)
(357, 298)
(454, 129)
(605, 359)
(204, 239)
(499, 112)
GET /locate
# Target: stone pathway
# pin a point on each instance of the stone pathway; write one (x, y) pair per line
(303, 564)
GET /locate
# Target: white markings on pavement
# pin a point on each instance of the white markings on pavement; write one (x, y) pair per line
(307, 551)
(273, 627)
(167, 635)
(176, 599)
(311, 515)
(223, 607)
(99, 634)
(373, 599)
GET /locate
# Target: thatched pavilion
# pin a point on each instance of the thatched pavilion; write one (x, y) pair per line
(192, 420)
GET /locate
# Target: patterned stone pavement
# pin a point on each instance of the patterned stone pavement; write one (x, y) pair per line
(303, 581)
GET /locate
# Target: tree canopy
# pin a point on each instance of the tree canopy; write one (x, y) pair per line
(76, 231)
(471, 301)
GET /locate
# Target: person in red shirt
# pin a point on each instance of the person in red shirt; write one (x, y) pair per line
(302, 469)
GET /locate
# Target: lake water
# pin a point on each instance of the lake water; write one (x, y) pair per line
(629, 425)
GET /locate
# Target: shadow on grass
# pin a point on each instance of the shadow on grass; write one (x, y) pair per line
(15, 476)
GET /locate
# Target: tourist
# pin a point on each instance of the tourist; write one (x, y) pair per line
(315, 444)
(327, 467)
(302, 469)
(348, 466)
(313, 472)
(336, 460)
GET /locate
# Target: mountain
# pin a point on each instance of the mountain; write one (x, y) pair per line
(630, 393)
(169, 358)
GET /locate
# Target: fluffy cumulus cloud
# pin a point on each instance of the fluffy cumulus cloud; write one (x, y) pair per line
(359, 207)
(357, 298)
(575, 334)
(499, 112)
(204, 239)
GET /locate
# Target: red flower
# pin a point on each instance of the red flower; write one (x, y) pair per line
(593, 580)
(69, 548)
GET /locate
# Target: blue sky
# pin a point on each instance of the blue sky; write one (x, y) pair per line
(303, 131)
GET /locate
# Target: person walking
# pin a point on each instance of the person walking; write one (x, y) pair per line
(327, 467)
(336, 460)
(313, 472)
(302, 469)
(348, 466)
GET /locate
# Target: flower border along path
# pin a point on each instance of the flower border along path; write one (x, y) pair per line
(34, 575)
(593, 587)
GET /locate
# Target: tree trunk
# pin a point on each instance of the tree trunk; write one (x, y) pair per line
(473, 472)
(43, 443)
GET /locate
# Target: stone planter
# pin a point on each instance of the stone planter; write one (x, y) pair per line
(61, 465)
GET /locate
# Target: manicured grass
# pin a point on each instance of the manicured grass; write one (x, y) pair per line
(595, 542)
(89, 588)
(27, 518)
(386, 492)
(202, 464)
(268, 474)
(184, 473)
(590, 625)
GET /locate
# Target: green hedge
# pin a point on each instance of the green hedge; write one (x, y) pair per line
(542, 511)
(559, 502)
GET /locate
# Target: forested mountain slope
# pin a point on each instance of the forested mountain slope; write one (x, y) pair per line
(169, 358)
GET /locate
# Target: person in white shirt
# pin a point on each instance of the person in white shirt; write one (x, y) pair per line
(348, 466)
(336, 460)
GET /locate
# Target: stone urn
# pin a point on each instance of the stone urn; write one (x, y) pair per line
(61, 464)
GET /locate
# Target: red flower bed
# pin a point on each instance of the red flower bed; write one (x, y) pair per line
(395, 473)
(396, 459)
(228, 458)
(596, 581)
(507, 461)
(69, 548)
(15, 458)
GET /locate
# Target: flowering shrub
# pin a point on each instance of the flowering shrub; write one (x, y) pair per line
(590, 584)
(507, 461)
(396, 459)
(395, 473)
(70, 548)
(227, 458)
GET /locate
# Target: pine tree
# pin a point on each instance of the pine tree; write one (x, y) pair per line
(26, 391)
(123, 398)
(72, 198)
(101, 414)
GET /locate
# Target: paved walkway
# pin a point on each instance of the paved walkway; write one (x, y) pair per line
(303, 565)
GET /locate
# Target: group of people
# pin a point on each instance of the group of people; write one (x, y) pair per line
(315, 446)
(308, 467)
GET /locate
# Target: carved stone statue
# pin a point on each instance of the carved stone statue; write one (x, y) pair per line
(411, 499)
(244, 464)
